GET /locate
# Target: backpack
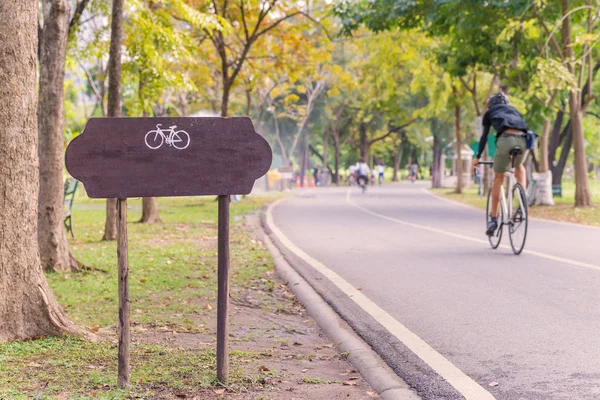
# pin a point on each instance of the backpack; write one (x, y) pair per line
(530, 138)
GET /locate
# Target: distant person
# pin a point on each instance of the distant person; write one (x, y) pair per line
(316, 175)
(362, 173)
(380, 170)
(352, 177)
(413, 171)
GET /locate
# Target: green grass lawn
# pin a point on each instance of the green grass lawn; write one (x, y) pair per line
(563, 211)
(172, 289)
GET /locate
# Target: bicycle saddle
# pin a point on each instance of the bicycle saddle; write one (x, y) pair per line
(515, 151)
(173, 127)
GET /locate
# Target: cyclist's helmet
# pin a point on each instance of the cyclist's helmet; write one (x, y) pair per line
(498, 98)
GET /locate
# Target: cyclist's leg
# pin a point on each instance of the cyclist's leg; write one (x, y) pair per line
(520, 172)
(496, 191)
(502, 164)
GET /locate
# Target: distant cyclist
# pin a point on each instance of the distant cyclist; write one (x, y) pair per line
(362, 173)
(511, 131)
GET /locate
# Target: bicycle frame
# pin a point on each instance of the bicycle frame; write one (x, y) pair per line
(507, 206)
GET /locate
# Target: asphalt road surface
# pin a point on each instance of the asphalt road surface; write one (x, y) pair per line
(529, 325)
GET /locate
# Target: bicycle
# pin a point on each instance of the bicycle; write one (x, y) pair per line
(180, 139)
(362, 181)
(516, 221)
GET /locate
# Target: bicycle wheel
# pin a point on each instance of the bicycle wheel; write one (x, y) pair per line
(180, 140)
(497, 236)
(154, 139)
(517, 226)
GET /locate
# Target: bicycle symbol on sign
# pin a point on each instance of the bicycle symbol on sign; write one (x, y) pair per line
(155, 138)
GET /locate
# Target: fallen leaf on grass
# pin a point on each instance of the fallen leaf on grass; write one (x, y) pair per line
(34, 365)
(353, 378)
(208, 306)
(95, 328)
(219, 391)
(324, 358)
(263, 368)
(297, 344)
(492, 384)
(350, 383)
(372, 394)
(304, 370)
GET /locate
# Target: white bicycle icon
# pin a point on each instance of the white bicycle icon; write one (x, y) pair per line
(155, 138)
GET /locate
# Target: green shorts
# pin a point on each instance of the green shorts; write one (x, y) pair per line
(505, 143)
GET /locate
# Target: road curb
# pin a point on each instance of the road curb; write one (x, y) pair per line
(374, 370)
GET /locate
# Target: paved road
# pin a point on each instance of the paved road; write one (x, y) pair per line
(529, 322)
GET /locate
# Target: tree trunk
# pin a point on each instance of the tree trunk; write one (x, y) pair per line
(544, 146)
(53, 244)
(396, 162)
(364, 142)
(336, 145)
(583, 195)
(225, 97)
(150, 211)
(459, 180)
(436, 178)
(114, 100)
(27, 307)
(557, 172)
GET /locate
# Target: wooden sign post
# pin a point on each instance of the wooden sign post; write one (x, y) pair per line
(151, 157)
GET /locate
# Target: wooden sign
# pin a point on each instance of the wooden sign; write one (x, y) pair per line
(146, 157)
(154, 157)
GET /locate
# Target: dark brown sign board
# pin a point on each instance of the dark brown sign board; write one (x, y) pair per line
(154, 157)
(147, 157)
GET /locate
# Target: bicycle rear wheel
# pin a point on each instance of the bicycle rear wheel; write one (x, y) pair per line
(497, 236)
(517, 226)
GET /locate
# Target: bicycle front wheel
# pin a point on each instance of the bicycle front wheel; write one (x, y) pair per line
(517, 226)
(497, 236)
(154, 139)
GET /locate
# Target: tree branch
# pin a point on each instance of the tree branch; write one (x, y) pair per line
(74, 23)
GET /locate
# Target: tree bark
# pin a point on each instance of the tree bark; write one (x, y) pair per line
(150, 213)
(336, 145)
(114, 100)
(583, 195)
(364, 142)
(459, 180)
(27, 307)
(396, 164)
(225, 97)
(436, 178)
(544, 146)
(52, 240)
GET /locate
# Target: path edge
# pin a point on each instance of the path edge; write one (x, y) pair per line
(368, 363)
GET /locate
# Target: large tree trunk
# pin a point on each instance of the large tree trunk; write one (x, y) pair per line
(544, 146)
(459, 180)
(114, 100)
(583, 195)
(150, 211)
(53, 244)
(27, 307)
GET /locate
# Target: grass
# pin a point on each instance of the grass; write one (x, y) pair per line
(563, 210)
(172, 289)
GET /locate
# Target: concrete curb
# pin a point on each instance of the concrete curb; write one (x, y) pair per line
(388, 385)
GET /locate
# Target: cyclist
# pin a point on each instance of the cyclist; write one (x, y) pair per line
(362, 173)
(511, 131)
